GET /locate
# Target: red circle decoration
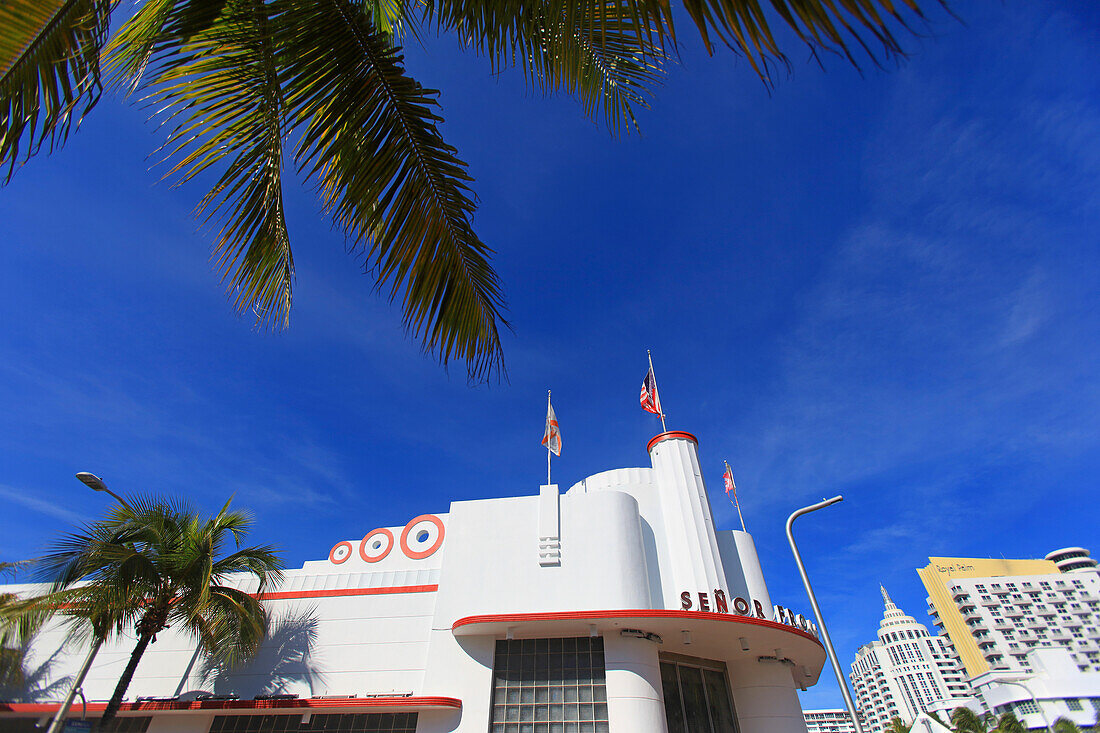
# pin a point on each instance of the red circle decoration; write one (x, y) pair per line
(332, 553)
(363, 544)
(408, 528)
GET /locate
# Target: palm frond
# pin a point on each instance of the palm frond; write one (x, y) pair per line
(745, 26)
(220, 90)
(614, 70)
(263, 562)
(49, 71)
(370, 142)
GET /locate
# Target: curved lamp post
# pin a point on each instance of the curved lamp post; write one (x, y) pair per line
(817, 609)
(1042, 715)
(58, 723)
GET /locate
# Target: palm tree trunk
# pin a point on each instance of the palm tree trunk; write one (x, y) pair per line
(124, 681)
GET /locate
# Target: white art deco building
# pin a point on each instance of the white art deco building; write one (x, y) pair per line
(906, 672)
(615, 606)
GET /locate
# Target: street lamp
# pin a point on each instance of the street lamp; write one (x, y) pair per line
(1042, 715)
(58, 723)
(96, 484)
(817, 609)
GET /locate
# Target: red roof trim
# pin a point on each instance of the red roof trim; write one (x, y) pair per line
(630, 613)
(670, 434)
(335, 592)
(36, 708)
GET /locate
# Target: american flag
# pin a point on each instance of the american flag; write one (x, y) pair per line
(650, 401)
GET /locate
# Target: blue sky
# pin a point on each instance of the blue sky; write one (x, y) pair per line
(881, 286)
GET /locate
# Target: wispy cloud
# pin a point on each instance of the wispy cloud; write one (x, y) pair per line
(26, 499)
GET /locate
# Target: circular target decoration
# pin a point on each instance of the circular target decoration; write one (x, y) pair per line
(422, 536)
(340, 552)
(376, 545)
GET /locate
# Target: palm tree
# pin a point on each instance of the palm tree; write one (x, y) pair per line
(896, 725)
(966, 720)
(153, 563)
(248, 88)
(1009, 723)
(1065, 725)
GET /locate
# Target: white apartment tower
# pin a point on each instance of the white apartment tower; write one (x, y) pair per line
(1027, 632)
(906, 672)
(832, 720)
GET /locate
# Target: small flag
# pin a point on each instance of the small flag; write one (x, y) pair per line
(551, 437)
(650, 401)
(731, 488)
(727, 477)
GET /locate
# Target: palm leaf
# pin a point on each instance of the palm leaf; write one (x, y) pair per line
(369, 142)
(612, 67)
(49, 67)
(745, 26)
(220, 90)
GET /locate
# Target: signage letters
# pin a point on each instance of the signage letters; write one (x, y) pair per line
(741, 607)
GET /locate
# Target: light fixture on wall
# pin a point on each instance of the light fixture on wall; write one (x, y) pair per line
(639, 634)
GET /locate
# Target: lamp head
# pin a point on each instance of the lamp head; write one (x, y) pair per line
(91, 481)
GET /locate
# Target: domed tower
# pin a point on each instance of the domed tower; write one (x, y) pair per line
(905, 672)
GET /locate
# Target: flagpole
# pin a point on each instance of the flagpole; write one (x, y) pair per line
(663, 428)
(548, 442)
(736, 503)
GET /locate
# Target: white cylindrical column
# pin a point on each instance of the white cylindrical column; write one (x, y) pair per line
(750, 566)
(764, 696)
(694, 559)
(634, 701)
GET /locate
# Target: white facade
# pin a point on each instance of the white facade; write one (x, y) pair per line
(1010, 615)
(616, 606)
(1055, 688)
(833, 720)
(906, 672)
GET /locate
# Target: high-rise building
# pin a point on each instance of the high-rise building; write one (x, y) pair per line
(906, 672)
(1027, 632)
(832, 720)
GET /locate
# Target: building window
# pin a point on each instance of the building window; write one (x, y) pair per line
(1074, 704)
(549, 686)
(697, 697)
(347, 722)
(1027, 707)
(118, 725)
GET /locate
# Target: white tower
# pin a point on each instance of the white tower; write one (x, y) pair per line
(905, 672)
(694, 559)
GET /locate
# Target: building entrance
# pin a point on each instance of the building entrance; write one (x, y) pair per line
(697, 697)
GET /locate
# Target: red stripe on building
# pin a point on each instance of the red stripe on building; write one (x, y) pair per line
(38, 708)
(336, 592)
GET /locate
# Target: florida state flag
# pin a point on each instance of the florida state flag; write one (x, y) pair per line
(651, 402)
(551, 436)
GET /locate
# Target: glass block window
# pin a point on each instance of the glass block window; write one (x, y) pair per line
(1027, 707)
(333, 723)
(549, 686)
